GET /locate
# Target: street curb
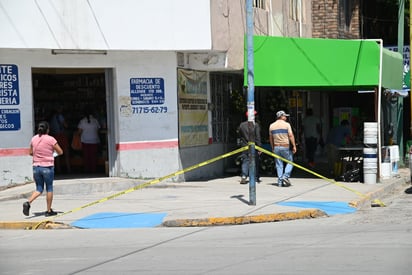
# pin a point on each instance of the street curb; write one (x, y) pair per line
(264, 218)
(276, 217)
(25, 195)
(69, 187)
(370, 197)
(34, 225)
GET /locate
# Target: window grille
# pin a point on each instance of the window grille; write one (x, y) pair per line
(221, 87)
(346, 7)
(259, 4)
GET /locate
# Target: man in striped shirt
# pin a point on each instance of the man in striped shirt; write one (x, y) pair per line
(283, 144)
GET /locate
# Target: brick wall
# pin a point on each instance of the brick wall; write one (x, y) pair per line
(328, 20)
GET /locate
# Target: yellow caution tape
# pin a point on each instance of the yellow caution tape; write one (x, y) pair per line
(154, 181)
(376, 201)
(143, 185)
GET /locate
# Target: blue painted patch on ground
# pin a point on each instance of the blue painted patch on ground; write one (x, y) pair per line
(330, 208)
(120, 220)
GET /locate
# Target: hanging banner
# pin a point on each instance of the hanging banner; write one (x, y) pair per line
(193, 112)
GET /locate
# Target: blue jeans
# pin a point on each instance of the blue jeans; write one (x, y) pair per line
(43, 176)
(285, 153)
(245, 164)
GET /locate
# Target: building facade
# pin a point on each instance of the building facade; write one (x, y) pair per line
(166, 84)
(159, 79)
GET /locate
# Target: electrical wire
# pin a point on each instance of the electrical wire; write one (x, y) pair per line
(98, 24)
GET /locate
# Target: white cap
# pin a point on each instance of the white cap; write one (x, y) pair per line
(281, 113)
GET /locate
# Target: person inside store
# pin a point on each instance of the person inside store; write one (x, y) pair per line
(58, 127)
(88, 128)
(245, 136)
(337, 137)
(311, 130)
(282, 142)
(43, 148)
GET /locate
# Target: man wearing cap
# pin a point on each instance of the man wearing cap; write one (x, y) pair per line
(281, 140)
(245, 136)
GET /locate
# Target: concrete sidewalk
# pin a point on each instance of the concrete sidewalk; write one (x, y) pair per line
(214, 202)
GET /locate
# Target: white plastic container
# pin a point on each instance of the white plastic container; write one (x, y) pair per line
(394, 157)
(370, 165)
(370, 132)
(386, 170)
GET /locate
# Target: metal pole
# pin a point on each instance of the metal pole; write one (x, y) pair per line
(410, 97)
(251, 102)
(399, 130)
(380, 141)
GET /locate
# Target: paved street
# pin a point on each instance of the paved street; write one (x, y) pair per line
(374, 240)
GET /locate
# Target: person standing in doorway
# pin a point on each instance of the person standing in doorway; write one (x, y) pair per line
(337, 137)
(311, 131)
(283, 144)
(58, 126)
(88, 128)
(43, 148)
(245, 136)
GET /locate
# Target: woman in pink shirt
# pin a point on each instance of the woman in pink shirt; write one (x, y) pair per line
(43, 148)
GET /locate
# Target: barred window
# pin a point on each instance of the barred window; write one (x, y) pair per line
(346, 9)
(259, 4)
(224, 125)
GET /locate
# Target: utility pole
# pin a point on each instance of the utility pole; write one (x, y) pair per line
(410, 83)
(251, 102)
(399, 127)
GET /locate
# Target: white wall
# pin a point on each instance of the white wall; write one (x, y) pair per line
(106, 24)
(15, 163)
(141, 38)
(145, 135)
(142, 131)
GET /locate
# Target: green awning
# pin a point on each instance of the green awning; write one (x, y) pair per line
(312, 63)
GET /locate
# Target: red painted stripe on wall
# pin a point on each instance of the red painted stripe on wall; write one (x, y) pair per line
(14, 152)
(146, 145)
(7, 152)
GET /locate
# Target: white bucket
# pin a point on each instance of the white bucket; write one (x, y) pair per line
(369, 178)
(370, 165)
(370, 133)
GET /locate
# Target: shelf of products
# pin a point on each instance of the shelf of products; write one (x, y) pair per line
(73, 92)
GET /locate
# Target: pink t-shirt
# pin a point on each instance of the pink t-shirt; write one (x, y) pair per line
(43, 150)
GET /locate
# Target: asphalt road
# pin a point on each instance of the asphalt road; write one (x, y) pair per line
(374, 240)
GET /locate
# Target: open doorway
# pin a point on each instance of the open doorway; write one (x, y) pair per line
(72, 92)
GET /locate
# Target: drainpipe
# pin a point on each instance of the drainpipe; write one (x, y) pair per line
(270, 18)
(300, 17)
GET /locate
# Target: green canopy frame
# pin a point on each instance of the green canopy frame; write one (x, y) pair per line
(314, 63)
(333, 64)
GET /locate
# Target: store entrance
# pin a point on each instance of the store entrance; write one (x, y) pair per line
(73, 93)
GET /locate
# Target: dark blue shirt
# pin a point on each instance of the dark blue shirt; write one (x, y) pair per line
(337, 136)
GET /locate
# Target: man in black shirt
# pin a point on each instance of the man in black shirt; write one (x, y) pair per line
(245, 136)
